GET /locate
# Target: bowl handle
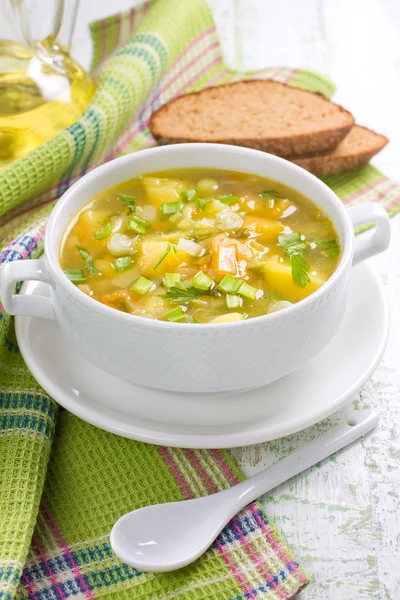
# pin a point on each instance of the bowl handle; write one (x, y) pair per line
(374, 241)
(18, 304)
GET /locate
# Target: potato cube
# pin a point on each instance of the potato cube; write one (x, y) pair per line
(150, 252)
(269, 229)
(228, 318)
(279, 277)
(91, 220)
(159, 189)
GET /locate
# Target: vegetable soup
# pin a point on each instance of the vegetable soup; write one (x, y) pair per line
(199, 246)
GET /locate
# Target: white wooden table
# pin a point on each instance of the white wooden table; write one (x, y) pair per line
(342, 518)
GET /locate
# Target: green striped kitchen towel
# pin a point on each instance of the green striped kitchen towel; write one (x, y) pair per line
(63, 482)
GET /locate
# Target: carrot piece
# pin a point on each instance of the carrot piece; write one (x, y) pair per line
(156, 227)
(205, 264)
(118, 295)
(111, 299)
(106, 303)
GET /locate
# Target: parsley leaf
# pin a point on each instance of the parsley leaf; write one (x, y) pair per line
(287, 239)
(292, 243)
(130, 202)
(329, 248)
(294, 248)
(181, 294)
(300, 268)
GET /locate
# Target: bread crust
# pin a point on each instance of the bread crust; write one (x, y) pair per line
(345, 157)
(288, 143)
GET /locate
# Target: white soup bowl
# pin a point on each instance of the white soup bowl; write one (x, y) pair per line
(196, 357)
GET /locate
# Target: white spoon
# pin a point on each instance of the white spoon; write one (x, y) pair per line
(165, 537)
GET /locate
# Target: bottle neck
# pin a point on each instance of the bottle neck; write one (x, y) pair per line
(51, 31)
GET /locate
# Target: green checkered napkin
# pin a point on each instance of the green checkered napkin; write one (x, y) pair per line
(63, 483)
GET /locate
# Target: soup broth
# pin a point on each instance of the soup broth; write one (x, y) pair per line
(199, 246)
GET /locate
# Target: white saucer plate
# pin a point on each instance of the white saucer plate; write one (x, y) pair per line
(281, 408)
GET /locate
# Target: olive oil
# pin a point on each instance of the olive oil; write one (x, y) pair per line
(41, 93)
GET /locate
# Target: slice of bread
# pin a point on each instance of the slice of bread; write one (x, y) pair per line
(354, 152)
(261, 114)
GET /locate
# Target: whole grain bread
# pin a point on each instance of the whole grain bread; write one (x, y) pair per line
(354, 152)
(261, 114)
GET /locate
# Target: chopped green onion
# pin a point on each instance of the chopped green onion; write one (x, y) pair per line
(164, 255)
(102, 234)
(75, 275)
(202, 202)
(171, 279)
(89, 261)
(91, 268)
(170, 208)
(84, 253)
(248, 291)
(189, 195)
(138, 225)
(228, 199)
(203, 281)
(176, 314)
(233, 301)
(130, 201)
(271, 195)
(142, 286)
(122, 264)
(230, 285)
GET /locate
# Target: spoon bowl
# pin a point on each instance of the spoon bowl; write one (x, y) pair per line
(171, 535)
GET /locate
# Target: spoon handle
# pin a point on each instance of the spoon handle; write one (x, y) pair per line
(318, 449)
